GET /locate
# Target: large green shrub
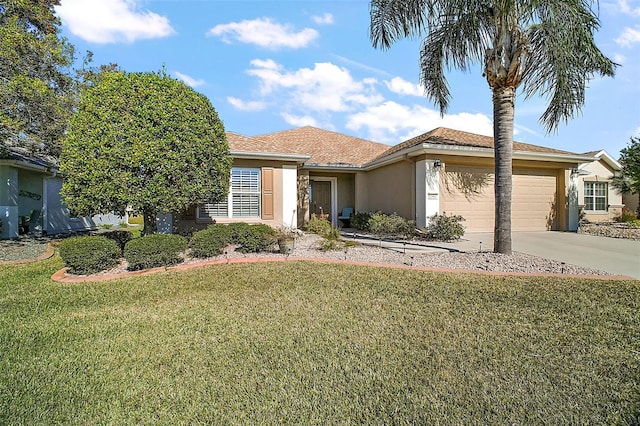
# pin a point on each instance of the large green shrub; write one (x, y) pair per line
(120, 237)
(318, 226)
(445, 228)
(90, 254)
(210, 241)
(386, 225)
(360, 221)
(154, 250)
(252, 238)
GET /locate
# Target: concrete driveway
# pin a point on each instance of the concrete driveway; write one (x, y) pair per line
(614, 255)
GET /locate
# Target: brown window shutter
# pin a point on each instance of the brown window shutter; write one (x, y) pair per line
(267, 193)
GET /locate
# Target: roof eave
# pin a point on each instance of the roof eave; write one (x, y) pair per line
(334, 167)
(244, 155)
(25, 165)
(472, 151)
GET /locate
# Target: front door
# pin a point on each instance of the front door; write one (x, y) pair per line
(320, 202)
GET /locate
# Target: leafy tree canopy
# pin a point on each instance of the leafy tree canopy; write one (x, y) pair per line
(629, 179)
(37, 87)
(143, 140)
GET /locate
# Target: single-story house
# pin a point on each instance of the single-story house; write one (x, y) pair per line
(282, 178)
(30, 197)
(598, 200)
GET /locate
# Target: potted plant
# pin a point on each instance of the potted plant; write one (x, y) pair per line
(286, 239)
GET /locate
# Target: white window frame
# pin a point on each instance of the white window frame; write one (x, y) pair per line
(235, 190)
(591, 195)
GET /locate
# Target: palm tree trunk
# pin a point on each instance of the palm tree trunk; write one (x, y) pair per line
(503, 111)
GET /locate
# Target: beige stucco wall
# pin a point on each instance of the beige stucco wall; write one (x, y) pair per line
(631, 202)
(599, 171)
(391, 189)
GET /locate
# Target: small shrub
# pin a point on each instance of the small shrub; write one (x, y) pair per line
(154, 250)
(360, 221)
(318, 226)
(120, 237)
(210, 241)
(330, 245)
(385, 225)
(90, 254)
(332, 234)
(445, 228)
(252, 238)
(106, 226)
(626, 217)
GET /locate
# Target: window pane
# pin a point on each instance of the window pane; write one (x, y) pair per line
(220, 209)
(246, 205)
(601, 189)
(601, 203)
(245, 192)
(588, 188)
(588, 203)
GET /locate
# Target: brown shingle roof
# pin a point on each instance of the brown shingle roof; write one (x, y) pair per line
(444, 136)
(324, 146)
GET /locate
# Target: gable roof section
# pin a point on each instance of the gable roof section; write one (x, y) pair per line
(604, 156)
(444, 136)
(325, 147)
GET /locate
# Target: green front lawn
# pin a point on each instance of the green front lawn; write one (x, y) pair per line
(313, 343)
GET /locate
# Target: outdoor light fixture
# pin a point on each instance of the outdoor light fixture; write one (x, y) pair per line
(437, 164)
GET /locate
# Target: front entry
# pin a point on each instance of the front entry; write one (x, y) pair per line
(320, 201)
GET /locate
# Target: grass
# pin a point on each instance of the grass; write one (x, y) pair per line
(312, 343)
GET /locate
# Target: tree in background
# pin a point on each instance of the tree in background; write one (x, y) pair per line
(37, 90)
(143, 140)
(629, 179)
(546, 46)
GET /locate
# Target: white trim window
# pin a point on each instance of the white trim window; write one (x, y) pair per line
(595, 196)
(243, 199)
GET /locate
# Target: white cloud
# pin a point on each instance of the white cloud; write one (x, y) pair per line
(628, 37)
(112, 21)
(325, 19)
(619, 59)
(189, 81)
(241, 105)
(391, 122)
(325, 87)
(264, 32)
(624, 7)
(403, 87)
(299, 121)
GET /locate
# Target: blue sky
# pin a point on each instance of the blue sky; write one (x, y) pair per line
(268, 66)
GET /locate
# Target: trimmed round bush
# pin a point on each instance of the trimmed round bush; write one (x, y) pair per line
(211, 241)
(89, 254)
(120, 237)
(252, 238)
(154, 250)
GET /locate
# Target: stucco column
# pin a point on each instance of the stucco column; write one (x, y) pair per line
(427, 191)
(573, 211)
(290, 196)
(9, 202)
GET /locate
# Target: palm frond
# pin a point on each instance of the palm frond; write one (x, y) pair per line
(392, 20)
(563, 58)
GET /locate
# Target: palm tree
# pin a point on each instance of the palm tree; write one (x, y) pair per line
(547, 46)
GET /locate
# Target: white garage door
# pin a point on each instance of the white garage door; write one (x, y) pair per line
(468, 191)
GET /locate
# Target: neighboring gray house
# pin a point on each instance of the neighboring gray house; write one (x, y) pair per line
(30, 198)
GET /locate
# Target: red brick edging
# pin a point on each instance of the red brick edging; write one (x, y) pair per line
(63, 277)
